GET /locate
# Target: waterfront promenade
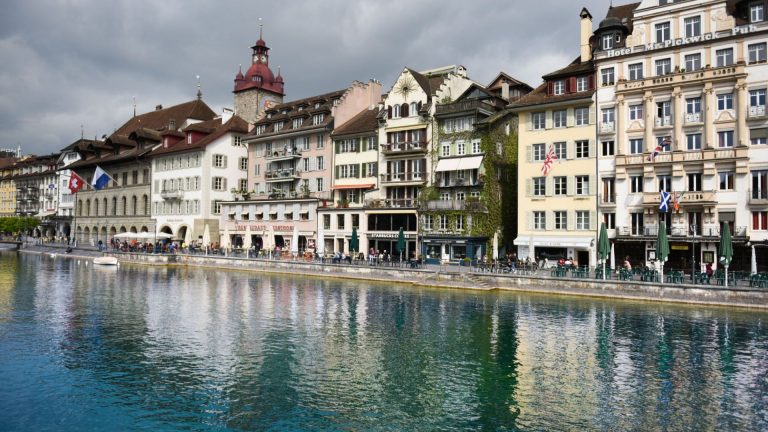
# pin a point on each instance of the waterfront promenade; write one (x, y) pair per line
(452, 276)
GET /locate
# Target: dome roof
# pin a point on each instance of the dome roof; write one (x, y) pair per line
(260, 43)
(260, 69)
(610, 22)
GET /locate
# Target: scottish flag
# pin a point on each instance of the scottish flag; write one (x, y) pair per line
(100, 178)
(665, 198)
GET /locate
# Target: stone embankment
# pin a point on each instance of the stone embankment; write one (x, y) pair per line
(446, 277)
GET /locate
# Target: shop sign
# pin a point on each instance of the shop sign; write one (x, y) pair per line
(388, 235)
(681, 41)
(681, 247)
(276, 228)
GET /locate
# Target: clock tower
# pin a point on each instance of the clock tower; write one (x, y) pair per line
(258, 88)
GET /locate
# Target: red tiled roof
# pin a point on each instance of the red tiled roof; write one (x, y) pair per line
(365, 121)
(233, 125)
(291, 111)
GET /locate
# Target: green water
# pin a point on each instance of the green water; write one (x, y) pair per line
(137, 348)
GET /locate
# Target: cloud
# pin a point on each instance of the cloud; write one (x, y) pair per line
(69, 63)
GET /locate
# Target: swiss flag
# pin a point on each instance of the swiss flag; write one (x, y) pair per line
(75, 183)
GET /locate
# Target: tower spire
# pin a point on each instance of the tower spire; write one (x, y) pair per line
(261, 29)
(199, 90)
(134, 106)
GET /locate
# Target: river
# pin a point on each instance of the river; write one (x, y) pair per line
(156, 348)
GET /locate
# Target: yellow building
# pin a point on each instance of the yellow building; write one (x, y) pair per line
(557, 214)
(8, 169)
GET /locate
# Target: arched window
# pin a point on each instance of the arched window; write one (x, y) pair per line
(414, 108)
(105, 207)
(134, 202)
(404, 110)
(114, 206)
(145, 204)
(124, 208)
(87, 207)
(79, 207)
(396, 111)
(96, 207)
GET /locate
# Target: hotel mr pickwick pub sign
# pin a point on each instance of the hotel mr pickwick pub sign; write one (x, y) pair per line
(681, 41)
(276, 228)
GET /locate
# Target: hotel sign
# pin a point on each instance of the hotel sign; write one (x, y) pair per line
(680, 41)
(278, 228)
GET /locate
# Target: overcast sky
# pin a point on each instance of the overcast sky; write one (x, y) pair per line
(67, 63)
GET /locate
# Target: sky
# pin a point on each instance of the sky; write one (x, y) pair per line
(73, 67)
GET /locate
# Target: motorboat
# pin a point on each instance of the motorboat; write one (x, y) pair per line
(105, 260)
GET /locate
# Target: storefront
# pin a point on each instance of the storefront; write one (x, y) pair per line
(437, 249)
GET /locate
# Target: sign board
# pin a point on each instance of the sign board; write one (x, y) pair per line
(679, 41)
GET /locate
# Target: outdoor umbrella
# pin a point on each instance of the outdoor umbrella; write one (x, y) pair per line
(613, 256)
(354, 242)
(188, 236)
(662, 247)
(603, 247)
(206, 236)
(247, 240)
(753, 267)
(495, 246)
(225, 239)
(295, 241)
(725, 249)
(401, 242)
(320, 248)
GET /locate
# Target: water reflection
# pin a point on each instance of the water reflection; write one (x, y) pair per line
(155, 348)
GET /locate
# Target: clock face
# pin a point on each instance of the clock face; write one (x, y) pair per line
(263, 59)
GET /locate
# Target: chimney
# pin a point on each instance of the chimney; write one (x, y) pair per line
(172, 124)
(505, 90)
(158, 107)
(586, 32)
(226, 114)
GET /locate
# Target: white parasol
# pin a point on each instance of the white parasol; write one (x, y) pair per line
(247, 240)
(320, 248)
(225, 239)
(753, 268)
(295, 241)
(495, 246)
(206, 236)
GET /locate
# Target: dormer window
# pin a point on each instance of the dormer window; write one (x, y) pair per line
(189, 138)
(278, 126)
(297, 123)
(317, 119)
(756, 13)
(301, 108)
(558, 87)
(582, 84)
(256, 78)
(317, 104)
(607, 42)
(260, 129)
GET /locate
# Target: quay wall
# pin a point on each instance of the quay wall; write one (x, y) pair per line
(631, 290)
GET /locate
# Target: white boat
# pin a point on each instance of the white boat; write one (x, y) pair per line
(105, 260)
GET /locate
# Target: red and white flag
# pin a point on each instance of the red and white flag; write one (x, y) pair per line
(549, 160)
(75, 183)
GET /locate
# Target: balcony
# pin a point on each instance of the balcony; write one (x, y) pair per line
(691, 118)
(281, 175)
(757, 197)
(664, 121)
(679, 233)
(707, 198)
(678, 156)
(697, 77)
(465, 182)
(757, 111)
(404, 177)
(404, 148)
(462, 205)
(168, 194)
(463, 106)
(607, 127)
(284, 154)
(391, 203)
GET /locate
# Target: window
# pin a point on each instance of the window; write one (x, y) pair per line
(758, 136)
(218, 183)
(327, 222)
(693, 105)
(692, 26)
(663, 113)
(607, 42)
(636, 184)
(759, 184)
(219, 161)
(427, 222)
(694, 182)
(757, 52)
(558, 87)
(725, 139)
(538, 120)
(636, 112)
(216, 207)
(320, 163)
(663, 32)
(304, 143)
(257, 169)
(582, 220)
(305, 164)
(538, 152)
(760, 220)
(243, 163)
(665, 182)
(608, 115)
(582, 185)
(692, 62)
(319, 183)
(340, 221)
(539, 186)
(318, 119)
(443, 222)
(445, 196)
(610, 220)
(297, 123)
(636, 146)
(445, 149)
(725, 101)
(608, 148)
(414, 111)
(539, 220)
(461, 196)
(561, 185)
(559, 118)
(561, 150)
(582, 149)
(321, 141)
(582, 84)
(460, 222)
(693, 141)
(243, 184)
(561, 220)
(237, 141)
(726, 180)
(663, 66)
(608, 76)
(278, 126)
(260, 129)
(372, 143)
(756, 13)
(637, 223)
(609, 196)
(724, 57)
(461, 148)
(582, 116)
(476, 147)
(636, 71)
(757, 99)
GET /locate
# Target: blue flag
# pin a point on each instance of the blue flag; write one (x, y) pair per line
(664, 202)
(100, 178)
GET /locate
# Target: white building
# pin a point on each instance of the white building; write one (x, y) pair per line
(193, 171)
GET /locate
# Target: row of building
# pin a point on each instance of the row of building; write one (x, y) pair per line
(663, 96)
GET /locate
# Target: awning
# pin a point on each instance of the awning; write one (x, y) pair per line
(46, 213)
(554, 241)
(355, 186)
(461, 163)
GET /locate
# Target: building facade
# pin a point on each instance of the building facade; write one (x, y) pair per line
(681, 96)
(557, 214)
